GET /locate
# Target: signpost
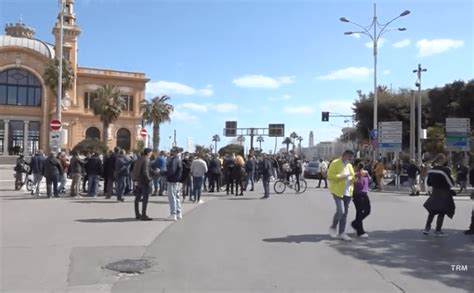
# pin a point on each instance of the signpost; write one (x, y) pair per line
(273, 130)
(458, 132)
(390, 136)
(55, 125)
(143, 133)
(54, 140)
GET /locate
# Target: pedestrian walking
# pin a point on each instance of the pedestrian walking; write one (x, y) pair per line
(20, 168)
(323, 173)
(379, 170)
(198, 170)
(413, 171)
(94, 169)
(51, 170)
(141, 173)
(76, 169)
(265, 168)
(174, 171)
(122, 171)
(441, 200)
(341, 177)
(462, 173)
(361, 200)
(36, 168)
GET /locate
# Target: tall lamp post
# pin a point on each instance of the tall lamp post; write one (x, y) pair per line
(60, 75)
(418, 71)
(374, 35)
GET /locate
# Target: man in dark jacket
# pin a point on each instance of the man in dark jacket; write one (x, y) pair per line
(94, 169)
(174, 171)
(412, 172)
(109, 167)
(250, 169)
(186, 176)
(51, 169)
(215, 174)
(36, 168)
(141, 173)
(122, 171)
(265, 169)
(76, 169)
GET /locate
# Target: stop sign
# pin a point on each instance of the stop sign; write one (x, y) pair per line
(55, 124)
(143, 132)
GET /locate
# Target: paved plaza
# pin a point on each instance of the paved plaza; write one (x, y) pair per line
(228, 244)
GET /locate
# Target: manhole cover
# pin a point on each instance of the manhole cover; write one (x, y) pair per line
(130, 266)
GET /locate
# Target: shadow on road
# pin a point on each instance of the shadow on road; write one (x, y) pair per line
(417, 255)
(23, 197)
(116, 220)
(242, 198)
(299, 238)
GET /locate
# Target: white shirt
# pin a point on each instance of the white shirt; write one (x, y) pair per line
(347, 188)
(198, 168)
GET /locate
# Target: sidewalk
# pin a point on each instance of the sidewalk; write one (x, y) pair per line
(61, 245)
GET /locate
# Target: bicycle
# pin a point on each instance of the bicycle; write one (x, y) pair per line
(25, 180)
(281, 184)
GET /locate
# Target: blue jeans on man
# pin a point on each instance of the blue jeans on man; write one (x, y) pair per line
(342, 209)
(54, 181)
(92, 187)
(121, 184)
(251, 180)
(266, 186)
(174, 197)
(197, 188)
(37, 177)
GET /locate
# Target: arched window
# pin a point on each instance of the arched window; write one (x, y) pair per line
(123, 139)
(20, 87)
(93, 132)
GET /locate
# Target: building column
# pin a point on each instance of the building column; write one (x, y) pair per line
(6, 133)
(26, 127)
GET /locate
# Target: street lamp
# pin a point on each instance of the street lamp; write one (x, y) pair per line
(60, 73)
(375, 37)
(418, 71)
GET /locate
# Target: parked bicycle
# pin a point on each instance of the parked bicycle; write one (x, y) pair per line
(281, 184)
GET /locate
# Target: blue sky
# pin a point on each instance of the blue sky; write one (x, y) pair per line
(261, 62)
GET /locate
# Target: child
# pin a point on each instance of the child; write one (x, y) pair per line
(361, 200)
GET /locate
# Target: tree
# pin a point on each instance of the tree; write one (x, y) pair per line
(90, 145)
(216, 138)
(156, 112)
(287, 141)
(260, 139)
(299, 139)
(232, 149)
(51, 74)
(434, 144)
(108, 106)
(294, 136)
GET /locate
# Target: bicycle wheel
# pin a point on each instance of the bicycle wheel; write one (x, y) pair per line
(279, 187)
(29, 184)
(303, 186)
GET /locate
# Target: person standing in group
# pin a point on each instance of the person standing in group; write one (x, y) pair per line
(215, 174)
(36, 168)
(141, 173)
(63, 176)
(174, 171)
(51, 170)
(155, 167)
(122, 171)
(361, 200)
(379, 170)
(239, 175)
(250, 169)
(441, 200)
(413, 171)
(461, 176)
(162, 160)
(229, 165)
(323, 173)
(20, 168)
(94, 169)
(470, 231)
(198, 170)
(186, 177)
(341, 177)
(265, 169)
(76, 169)
(109, 172)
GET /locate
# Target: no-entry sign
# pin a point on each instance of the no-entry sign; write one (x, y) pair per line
(143, 132)
(55, 124)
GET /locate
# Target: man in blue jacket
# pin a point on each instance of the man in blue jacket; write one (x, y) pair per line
(174, 172)
(37, 165)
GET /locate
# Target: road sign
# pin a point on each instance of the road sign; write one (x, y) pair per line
(390, 136)
(54, 140)
(276, 130)
(55, 125)
(230, 129)
(458, 132)
(374, 133)
(143, 132)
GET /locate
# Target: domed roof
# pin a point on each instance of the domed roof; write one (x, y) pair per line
(41, 47)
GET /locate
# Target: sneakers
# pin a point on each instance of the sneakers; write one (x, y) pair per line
(426, 231)
(200, 201)
(333, 233)
(345, 237)
(365, 235)
(172, 218)
(146, 218)
(179, 216)
(440, 234)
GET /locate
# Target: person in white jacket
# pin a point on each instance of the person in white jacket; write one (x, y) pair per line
(198, 170)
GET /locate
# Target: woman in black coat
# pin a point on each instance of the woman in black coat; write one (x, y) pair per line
(441, 200)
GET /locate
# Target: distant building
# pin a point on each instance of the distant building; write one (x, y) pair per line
(311, 139)
(27, 105)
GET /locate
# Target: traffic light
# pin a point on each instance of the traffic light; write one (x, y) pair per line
(325, 116)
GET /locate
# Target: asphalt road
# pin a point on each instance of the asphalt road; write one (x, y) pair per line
(281, 245)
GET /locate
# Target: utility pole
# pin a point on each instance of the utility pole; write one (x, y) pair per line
(412, 125)
(60, 75)
(418, 71)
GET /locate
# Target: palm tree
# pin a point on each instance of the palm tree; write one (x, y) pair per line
(108, 106)
(51, 74)
(156, 112)
(293, 136)
(299, 139)
(260, 139)
(287, 141)
(216, 138)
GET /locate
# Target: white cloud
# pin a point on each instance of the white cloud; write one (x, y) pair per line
(203, 108)
(436, 46)
(338, 106)
(183, 116)
(386, 72)
(193, 107)
(224, 108)
(262, 81)
(356, 35)
(299, 110)
(380, 43)
(174, 88)
(402, 44)
(349, 73)
(285, 97)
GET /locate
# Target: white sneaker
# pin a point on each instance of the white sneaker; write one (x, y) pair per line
(365, 235)
(333, 233)
(345, 237)
(172, 218)
(200, 201)
(180, 216)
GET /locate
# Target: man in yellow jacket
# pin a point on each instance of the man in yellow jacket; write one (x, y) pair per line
(341, 177)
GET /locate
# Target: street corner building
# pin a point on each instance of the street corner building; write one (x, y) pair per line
(27, 104)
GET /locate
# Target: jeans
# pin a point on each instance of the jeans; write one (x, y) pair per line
(250, 179)
(163, 184)
(121, 183)
(412, 183)
(266, 186)
(362, 204)
(109, 190)
(197, 187)
(439, 221)
(156, 184)
(174, 197)
(54, 181)
(323, 178)
(75, 184)
(143, 193)
(36, 183)
(92, 187)
(62, 181)
(342, 209)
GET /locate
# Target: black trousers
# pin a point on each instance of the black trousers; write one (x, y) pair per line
(472, 222)
(325, 181)
(439, 221)
(142, 193)
(214, 182)
(52, 181)
(362, 205)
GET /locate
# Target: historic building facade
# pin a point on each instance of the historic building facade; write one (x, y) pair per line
(27, 105)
